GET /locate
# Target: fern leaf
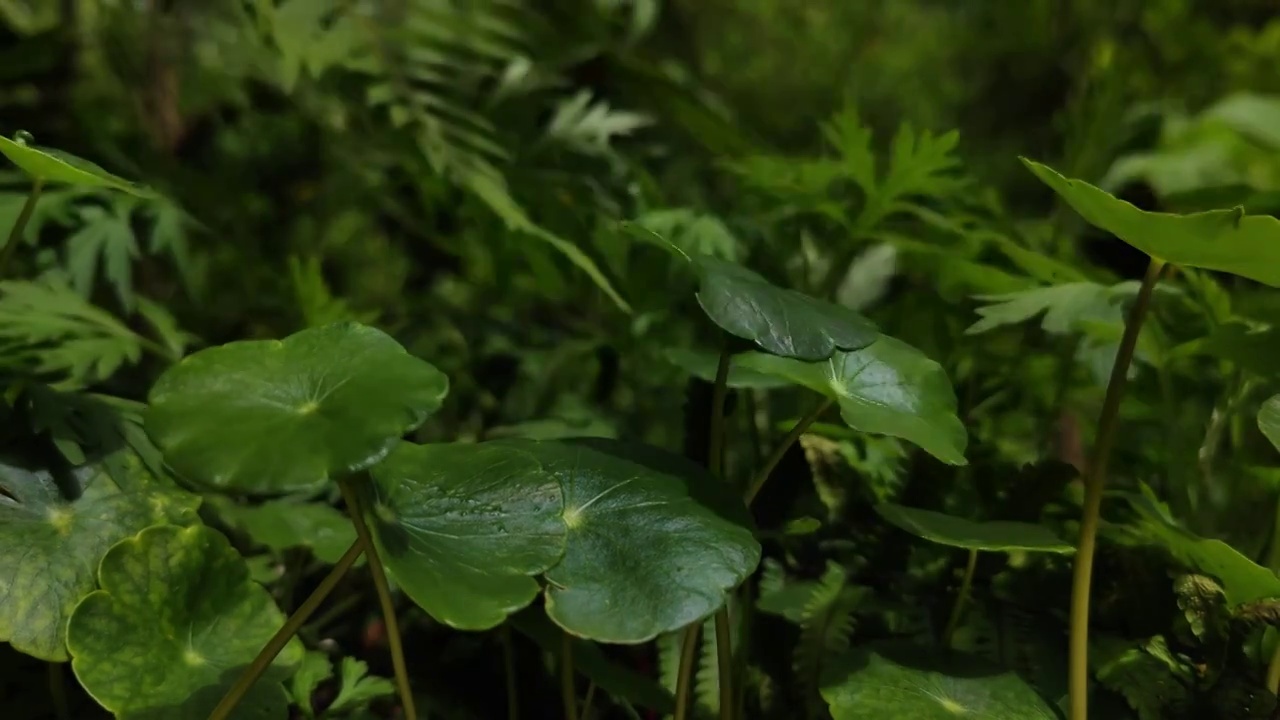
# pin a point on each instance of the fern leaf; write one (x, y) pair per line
(825, 628)
(106, 240)
(49, 329)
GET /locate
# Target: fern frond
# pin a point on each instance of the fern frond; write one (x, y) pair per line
(707, 686)
(826, 625)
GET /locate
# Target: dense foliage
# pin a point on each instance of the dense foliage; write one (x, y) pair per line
(371, 359)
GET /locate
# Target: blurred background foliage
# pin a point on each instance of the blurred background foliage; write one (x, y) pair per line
(481, 178)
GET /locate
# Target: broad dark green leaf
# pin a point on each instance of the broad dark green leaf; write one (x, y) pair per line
(991, 535)
(464, 529)
(284, 524)
(1269, 420)
(1225, 240)
(56, 166)
(272, 416)
(703, 365)
(781, 321)
(176, 620)
(53, 531)
(901, 681)
(888, 388)
(654, 541)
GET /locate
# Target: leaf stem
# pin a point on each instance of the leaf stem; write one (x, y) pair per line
(291, 626)
(724, 662)
(568, 692)
(58, 691)
(509, 669)
(762, 475)
(20, 225)
(715, 463)
(684, 674)
(355, 507)
(1095, 474)
(957, 610)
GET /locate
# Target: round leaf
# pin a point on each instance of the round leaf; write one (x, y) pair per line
(175, 623)
(781, 321)
(899, 681)
(56, 166)
(993, 536)
(889, 388)
(463, 528)
(50, 546)
(271, 416)
(654, 541)
(1225, 240)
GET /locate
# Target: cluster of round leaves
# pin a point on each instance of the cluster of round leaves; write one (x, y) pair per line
(626, 541)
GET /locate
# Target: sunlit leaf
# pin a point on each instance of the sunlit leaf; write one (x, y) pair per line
(55, 166)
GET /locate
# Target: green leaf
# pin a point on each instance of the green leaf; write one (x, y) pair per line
(49, 329)
(54, 528)
(655, 542)
(992, 535)
(1224, 240)
(284, 524)
(1242, 579)
(464, 528)
(703, 364)
(313, 670)
(887, 388)
(271, 416)
(105, 239)
(1269, 420)
(781, 321)
(896, 681)
(175, 622)
(55, 166)
(1063, 307)
(357, 687)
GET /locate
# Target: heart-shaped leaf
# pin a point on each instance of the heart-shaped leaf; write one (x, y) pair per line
(282, 524)
(654, 541)
(897, 681)
(1269, 420)
(1225, 240)
(991, 535)
(54, 529)
(781, 321)
(176, 621)
(56, 166)
(633, 542)
(271, 416)
(464, 528)
(888, 388)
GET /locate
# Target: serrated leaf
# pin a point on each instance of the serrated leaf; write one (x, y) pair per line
(357, 687)
(106, 241)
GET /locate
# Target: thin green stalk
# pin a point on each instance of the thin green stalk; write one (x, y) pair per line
(285, 633)
(957, 610)
(684, 674)
(355, 507)
(715, 462)
(20, 225)
(724, 663)
(1095, 474)
(568, 693)
(762, 475)
(58, 691)
(587, 710)
(509, 669)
